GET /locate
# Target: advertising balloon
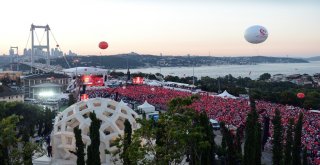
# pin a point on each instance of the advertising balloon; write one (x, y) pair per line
(103, 45)
(256, 34)
(300, 95)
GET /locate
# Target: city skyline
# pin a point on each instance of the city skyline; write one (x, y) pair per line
(174, 27)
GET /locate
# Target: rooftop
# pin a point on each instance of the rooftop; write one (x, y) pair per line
(45, 75)
(45, 85)
(6, 91)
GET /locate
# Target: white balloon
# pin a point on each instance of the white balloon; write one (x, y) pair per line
(256, 34)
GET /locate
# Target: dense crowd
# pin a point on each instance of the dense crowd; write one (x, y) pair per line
(231, 111)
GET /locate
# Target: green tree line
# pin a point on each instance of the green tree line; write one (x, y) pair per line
(19, 124)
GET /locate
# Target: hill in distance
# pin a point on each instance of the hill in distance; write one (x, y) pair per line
(134, 60)
(315, 58)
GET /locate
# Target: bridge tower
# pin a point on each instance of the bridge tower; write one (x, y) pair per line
(39, 46)
(14, 57)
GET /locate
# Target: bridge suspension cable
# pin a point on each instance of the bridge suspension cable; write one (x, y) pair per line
(58, 46)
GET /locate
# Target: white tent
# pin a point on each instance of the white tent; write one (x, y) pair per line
(147, 108)
(314, 111)
(225, 94)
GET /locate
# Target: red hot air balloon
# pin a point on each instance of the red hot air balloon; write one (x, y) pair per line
(103, 45)
(300, 95)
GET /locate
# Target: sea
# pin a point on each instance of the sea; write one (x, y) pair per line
(251, 71)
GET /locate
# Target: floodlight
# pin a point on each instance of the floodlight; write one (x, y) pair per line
(46, 94)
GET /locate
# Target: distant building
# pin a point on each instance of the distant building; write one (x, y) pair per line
(8, 95)
(316, 79)
(294, 76)
(32, 83)
(56, 52)
(278, 77)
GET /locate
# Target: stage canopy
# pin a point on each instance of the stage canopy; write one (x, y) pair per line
(225, 94)
(147, 108)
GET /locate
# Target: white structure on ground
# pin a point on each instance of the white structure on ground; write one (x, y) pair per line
(111, 113)
(43, 160)
(85, 71)
(153, 82)
(147, 108)
(225, 94)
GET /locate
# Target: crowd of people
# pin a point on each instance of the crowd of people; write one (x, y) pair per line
(231, 111)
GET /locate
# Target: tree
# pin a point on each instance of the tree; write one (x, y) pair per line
(25, 118)
(79, 146)
(305, 157)
(93, 149)
(28, 151)
(181, 131)
(264, 76)
(238, 143)
(252, 148)
(209, 152)
(8, 137)
(258, 143)
(277, 139)
(126, 142)
(266, 125)
(48, 115)
(296, 158)
(230, 146)
(72, 100)
(289, 141)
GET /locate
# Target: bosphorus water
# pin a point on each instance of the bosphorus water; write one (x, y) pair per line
(252, 71)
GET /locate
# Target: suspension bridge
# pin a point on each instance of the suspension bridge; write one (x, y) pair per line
(39, 50)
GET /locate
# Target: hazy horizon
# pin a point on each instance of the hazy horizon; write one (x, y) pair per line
(202, 27)
(195, 55)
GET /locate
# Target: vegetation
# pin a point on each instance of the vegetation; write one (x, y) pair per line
(289, 141)
(93, 152)
(229, 145)
(79, 146)
(277, 139)
(265, 135)
(296, 158)
(179, 134)
(127, 142)
(72, 99)
(264, 76)
(136, 60)
(18, 123)
(252, 145)
(8, 138)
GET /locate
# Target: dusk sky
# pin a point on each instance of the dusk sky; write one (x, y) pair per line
(170, 27)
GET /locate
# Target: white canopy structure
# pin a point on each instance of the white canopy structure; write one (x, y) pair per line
(315, 111)
(153, 83)
(170, 83)
(147, 108)
(112, 115)
(225, 94)
(85, 71)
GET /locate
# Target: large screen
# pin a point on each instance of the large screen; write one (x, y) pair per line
(84, 97)
(92, 80)
(137, 80)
